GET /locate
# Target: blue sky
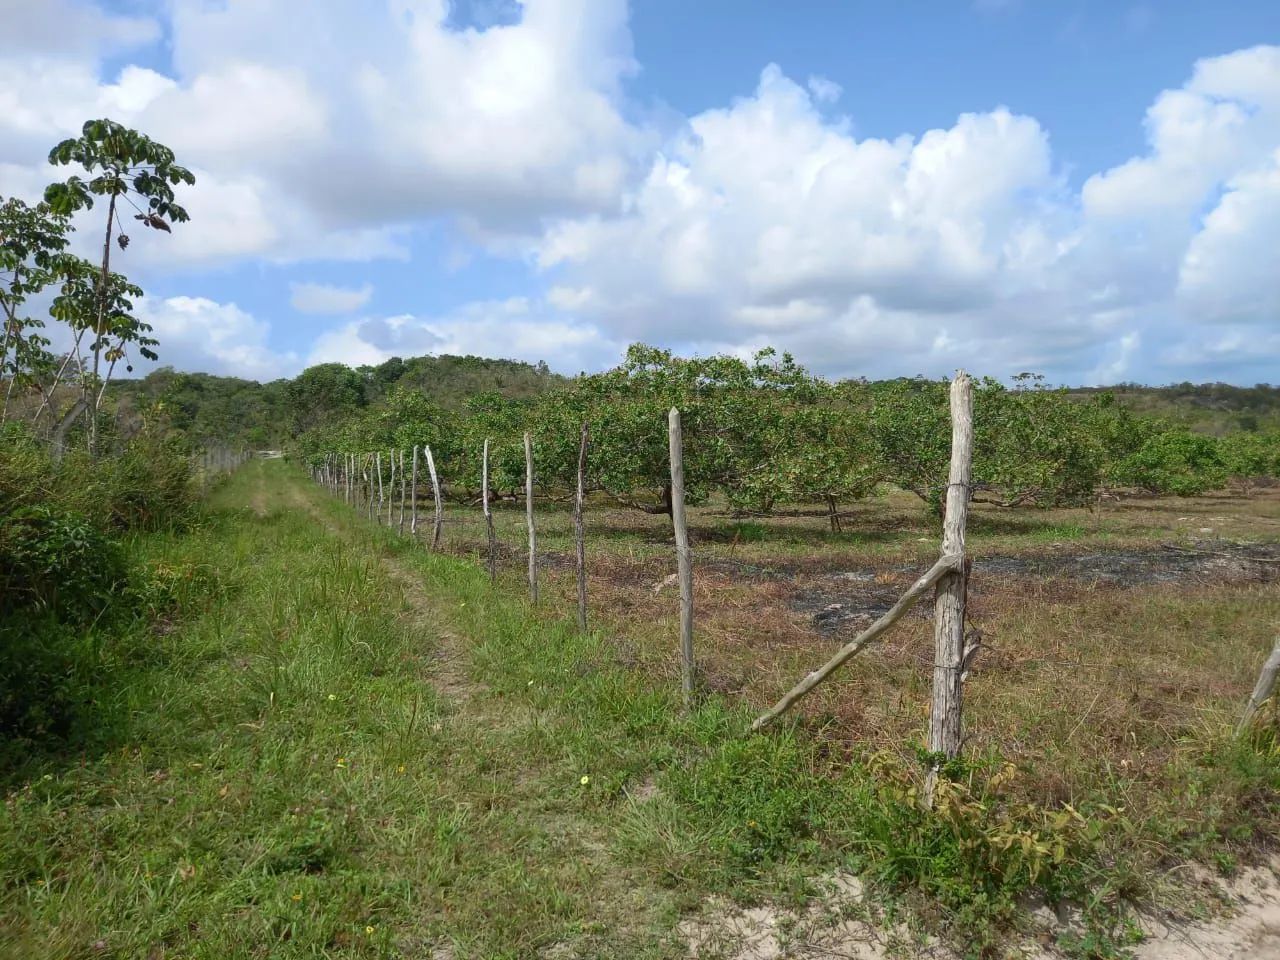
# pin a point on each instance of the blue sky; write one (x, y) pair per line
(1088, 189)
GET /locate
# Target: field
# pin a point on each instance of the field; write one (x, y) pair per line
(339, 744)
(1114, 633)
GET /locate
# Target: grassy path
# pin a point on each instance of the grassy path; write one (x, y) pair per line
(310, 765)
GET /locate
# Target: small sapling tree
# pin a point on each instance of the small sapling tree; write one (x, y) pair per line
(122, 165)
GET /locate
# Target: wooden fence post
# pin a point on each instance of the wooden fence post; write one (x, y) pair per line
(372, 512)
(945, 721)
(378, 462)
(1262, 690)
(579, 533)
(488, 514)
(402, 488)
(528, 513)
(413, 496)
(391, 485)
(684, 561)
(439, 506)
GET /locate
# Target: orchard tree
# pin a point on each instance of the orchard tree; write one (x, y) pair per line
(1250, 458)
(126, 167)
(1173, 461)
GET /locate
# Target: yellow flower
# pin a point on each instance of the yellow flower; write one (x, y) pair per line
(752, 823)
(341, 762)
(400, 769)
(333, 696)
(296, 897)
(369, 930)
(585, 780)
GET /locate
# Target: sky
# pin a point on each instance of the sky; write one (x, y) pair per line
(1088, 189)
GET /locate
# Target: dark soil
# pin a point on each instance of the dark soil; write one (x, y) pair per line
(855, 598)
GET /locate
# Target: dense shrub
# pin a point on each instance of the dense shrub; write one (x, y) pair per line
(1173, 461)
(146, 484)
(56, 562)
(66, 582)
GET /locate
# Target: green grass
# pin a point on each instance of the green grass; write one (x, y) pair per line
(335, 743)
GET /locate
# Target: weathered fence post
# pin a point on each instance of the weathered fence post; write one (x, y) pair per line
(488, 514)
(413, 496)
(1262, 690)
(378, 462)
(945, 720)
(684, 561)
(528, 513)
(439, 506)
(391, 485)
(372, 511)
(579, 534)
(402, 488)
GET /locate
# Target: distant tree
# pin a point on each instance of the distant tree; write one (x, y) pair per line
(322, 393)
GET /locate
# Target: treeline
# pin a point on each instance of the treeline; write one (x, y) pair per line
(766, 432)
(1217, 408)
(230, 410)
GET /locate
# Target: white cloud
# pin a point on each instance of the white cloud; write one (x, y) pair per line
(41, 26)
(196, 333)
(366, 121)
(322, 298)
(766, 222)
(824, 90)
(763, 221)
(516, 328)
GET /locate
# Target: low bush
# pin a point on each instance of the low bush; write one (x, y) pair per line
(57, 563)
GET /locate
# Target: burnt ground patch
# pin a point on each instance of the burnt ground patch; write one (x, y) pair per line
(838, 600)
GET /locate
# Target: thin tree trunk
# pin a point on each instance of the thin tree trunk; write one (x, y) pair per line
(528, 512)
(945, 720)
(684, 560)
(579, 533)
(101, 323)
(438, 528)
(488, 515)
(834, 515)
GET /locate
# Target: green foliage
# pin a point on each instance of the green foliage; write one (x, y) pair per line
(323, 393)
(1173, 461)
(120, 161)
(765, 432)
(56, 562)
(31, 242)
(1248, 458)
(1032, 445)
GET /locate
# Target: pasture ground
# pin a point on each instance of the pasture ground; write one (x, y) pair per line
(339, 744)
